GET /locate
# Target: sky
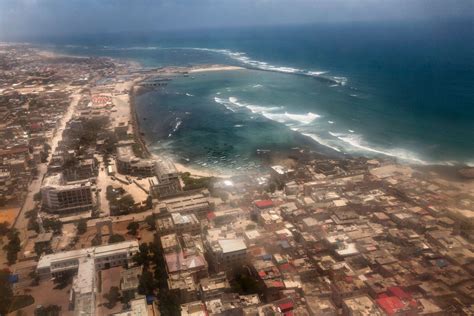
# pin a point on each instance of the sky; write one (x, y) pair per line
(30, 18)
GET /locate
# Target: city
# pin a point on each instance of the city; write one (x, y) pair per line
(94, 224)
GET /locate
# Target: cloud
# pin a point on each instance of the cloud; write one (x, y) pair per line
(61, 17)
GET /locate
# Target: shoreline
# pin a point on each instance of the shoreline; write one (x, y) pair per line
(135, 122)
(448, 171)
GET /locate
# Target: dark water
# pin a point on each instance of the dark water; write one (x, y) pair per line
(405, 91)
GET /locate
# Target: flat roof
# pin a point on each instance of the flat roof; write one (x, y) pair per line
(232, 245)
(46, 260)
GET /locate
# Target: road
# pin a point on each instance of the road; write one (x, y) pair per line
(21, 223)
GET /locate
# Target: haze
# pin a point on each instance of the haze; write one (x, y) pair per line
(29, 18)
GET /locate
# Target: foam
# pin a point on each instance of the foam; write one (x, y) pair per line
(252, 63)
(176, 126)
(225, 103)
(356, 141)
(131, 48)
(321, 141)
(189, 95)
(303, 118)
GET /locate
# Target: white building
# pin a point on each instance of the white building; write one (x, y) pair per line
(59, 196)
(225, 249)
(103, 256)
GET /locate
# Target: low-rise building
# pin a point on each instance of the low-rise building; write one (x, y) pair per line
(360, 306)
(225, 253)
(112, 255)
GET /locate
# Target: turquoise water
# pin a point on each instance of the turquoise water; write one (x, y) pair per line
(404, 91)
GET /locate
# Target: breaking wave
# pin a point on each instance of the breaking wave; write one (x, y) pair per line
(359, 144)
(232, 104)
(261, 65)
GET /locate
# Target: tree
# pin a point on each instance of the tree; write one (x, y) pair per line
(37, 196)
(4, 228)
(50, 310)
(126, 202)
(116, 238)
(244, 283)
(42, 247)
(6, 293)
(113, 296)
(96, 241)
(146, 284)
(150, 220)
(54, 225)
(142, 257)
(133, 228)
(35, 278)
(13, 246)
(82, 226)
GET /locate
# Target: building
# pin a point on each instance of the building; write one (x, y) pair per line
(360, 306)
(166, 171)
(84, 288)
(199, 204)
(213, 287)
(183, 286)
(225, 251)
(186, 223)
(182, 262)
(129, 281)
(138, 307)
(128, 163)
(196, 308)
(59, 196)
(104, 257)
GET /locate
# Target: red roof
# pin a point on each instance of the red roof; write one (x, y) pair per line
(399, 292)
(211, 215)
(285, 266)
(286, 306)
(264, 203)
(391, 304)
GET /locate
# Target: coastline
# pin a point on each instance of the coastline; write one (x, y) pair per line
(135, 122)
(318, 149)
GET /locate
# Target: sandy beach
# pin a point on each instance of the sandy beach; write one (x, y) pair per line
(200, 172)
(215, 68)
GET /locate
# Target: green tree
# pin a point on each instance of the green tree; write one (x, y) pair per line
(96, 241)
(37, 196)
(50, 310)
(126, 202)
(133, 228)
(4, 228)
(150, 220)
(13, 246)
(146, 284)
(6, 293)
(52, 224)
(116, 238)
(41, 248)
(142, 257)
(82, 226)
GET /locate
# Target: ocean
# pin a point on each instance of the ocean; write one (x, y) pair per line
(401, 90)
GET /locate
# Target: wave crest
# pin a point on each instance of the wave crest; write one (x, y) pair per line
(261, 65)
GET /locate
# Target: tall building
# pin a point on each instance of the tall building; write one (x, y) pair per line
(59, 196)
